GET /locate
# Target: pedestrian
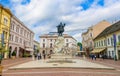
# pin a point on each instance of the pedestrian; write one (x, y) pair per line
(92, 56)
(43, 53)
(39, 56)
(103, 57)
(35, 56)
(95, 57)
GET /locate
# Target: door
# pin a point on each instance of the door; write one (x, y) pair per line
(119, 54)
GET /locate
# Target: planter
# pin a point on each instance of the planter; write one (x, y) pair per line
(13, 57)
(1, 68)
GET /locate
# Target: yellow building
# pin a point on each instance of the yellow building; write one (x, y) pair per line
(5, 17)
(107, 43)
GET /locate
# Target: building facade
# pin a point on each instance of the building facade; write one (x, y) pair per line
(109, 41)
(21, 38)
(92, 32)
(5, 18)
(47, 42)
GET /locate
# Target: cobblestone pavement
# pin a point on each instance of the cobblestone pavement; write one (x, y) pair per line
(11, 62)
(62, 71)
(108, 62)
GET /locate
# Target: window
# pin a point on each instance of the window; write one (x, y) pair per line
(108, 53)
(66, 40)
(43, 45)
(20, 40)
(5, 21)
(10, 38)
(91, 44)
(16, 39)
(101, 43)
(95, 44)
(118, 38)
(67, 44)
(112, 53)
(21, 31)
(17, 29)
(108, 41)
(6, 35)
(13, 26)
(24, 33)
(111, 41)
(90, 34)
(50, 45)
(104, 42)
(29, 43)
(43, 40)
(51, 40)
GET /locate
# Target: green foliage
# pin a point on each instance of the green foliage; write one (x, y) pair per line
(26, 55)
(2, 49)
(79, 44)
(118, 43)
(13, 53)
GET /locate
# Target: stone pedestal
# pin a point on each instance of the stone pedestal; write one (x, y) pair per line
(59, 56)
(59, 45)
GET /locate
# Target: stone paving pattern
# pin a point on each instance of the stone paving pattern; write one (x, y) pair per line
(62, 71)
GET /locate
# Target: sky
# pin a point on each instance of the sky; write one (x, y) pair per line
(42, 16)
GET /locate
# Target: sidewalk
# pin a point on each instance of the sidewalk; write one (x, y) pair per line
(11, 62)
(108, 62)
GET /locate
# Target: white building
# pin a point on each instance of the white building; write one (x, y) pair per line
(21, 38)
(47, 42)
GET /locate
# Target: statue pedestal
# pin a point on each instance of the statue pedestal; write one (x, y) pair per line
(59, 44)
(59, 56)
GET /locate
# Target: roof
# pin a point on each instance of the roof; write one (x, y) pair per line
(6, 9)
(18, 20)
(111, 29)
(55, 35)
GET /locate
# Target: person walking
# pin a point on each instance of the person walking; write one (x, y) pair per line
(95, 57)
(103, 56)
(39, 56)
(92, 56)
(43, 53)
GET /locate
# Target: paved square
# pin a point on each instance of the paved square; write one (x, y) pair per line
(77, 63)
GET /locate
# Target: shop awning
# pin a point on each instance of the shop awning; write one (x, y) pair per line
(29, 49)
(81, 51)
(97, 50)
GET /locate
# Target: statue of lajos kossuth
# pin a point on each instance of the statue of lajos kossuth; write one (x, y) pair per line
(60, 29)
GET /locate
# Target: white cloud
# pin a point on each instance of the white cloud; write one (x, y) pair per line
(44, 15)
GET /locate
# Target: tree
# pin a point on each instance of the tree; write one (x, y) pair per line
(80, 45)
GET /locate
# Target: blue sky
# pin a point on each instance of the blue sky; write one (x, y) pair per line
(42, 16)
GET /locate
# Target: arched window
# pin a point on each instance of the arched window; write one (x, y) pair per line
(50, 45)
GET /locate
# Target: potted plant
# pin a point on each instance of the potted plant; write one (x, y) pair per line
(13, 55)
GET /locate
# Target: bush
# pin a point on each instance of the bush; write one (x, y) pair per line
(118, 43)
(13, 53)
(26, 55)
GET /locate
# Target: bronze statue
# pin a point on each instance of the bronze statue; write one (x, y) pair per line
(60, 29)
